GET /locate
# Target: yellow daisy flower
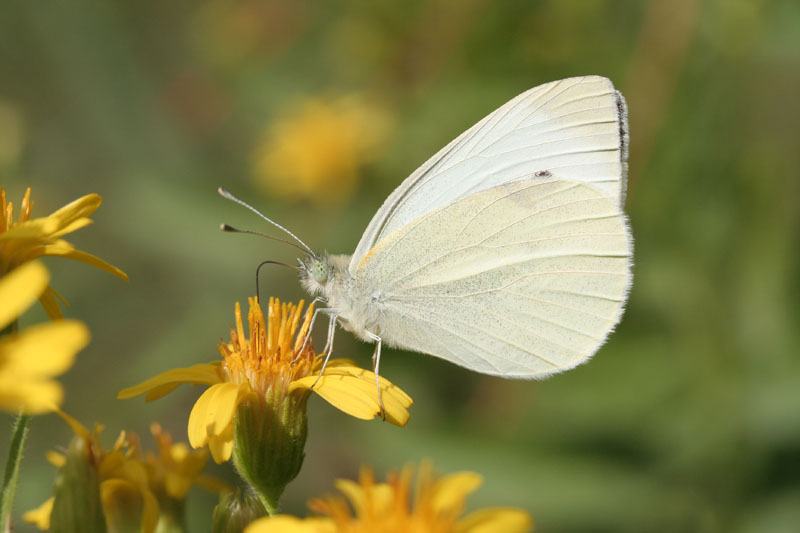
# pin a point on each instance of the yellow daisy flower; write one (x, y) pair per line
(28, 239)
(315, 152)
(255, 406)
(31, 358)
(174, 469)
(114, 480)
(171, 471)
(390, 507)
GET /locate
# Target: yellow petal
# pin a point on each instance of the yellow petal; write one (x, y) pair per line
(198, 429)
(56, 459)
(395, 404)
(41, 515)
(76, 426)
(72, 226)
(339, 392)
(290, 524)
(132, 470)
(221, 446)
(222, 407)
(450, 491)
(150, 511)
(201, 374)
(36, 229)
(350, 369)
(19, 289)
(49, 302)
(82, 207)
(44, 350)
(160, 392)
(211, 419)
(116, 493)
(355, 493)
(505, 519)
(354, 391)
(110, 490)
(32, 396)
(177, 485)
(83, 257)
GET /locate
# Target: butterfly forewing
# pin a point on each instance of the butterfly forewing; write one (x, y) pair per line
(575, 129)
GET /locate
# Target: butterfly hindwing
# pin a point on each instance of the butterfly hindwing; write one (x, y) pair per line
(520, 280)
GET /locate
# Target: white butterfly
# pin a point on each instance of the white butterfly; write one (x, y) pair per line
(508, 251)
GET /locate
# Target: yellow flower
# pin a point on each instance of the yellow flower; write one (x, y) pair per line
(270, 367)
(316, 151)
(171, 472)
(28, 239)
(390, 507)
(174, 468)
(30, 359)
(121, 479)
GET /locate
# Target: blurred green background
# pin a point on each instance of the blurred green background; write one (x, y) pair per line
(687, 420)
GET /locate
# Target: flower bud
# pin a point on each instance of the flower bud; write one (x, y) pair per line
(235, 510)
(77, 505)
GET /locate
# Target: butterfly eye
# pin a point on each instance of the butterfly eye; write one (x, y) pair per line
(320, 272)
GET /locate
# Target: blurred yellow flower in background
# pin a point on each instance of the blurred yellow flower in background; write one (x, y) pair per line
(28, 239)
(435, 507)
(29, 359)
(137, 489)
(174, 469)
(316, 151)
(115, 478)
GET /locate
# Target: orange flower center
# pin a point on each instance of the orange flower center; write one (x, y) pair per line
(272, 355)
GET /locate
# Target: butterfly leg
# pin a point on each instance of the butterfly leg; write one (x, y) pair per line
(376, 363)
(311, 325)
(333, 314)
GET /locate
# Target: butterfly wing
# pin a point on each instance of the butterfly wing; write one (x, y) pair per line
(574, 128)
(520, 280)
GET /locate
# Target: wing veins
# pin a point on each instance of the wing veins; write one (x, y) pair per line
(553, 97)
(612, 149)
(480, 244)
(596, 296)
(532, 274)
(541, 319)
(523, 101)
(553, 130)
(454, 333)
(501, 339)
(584, 97)
(535, 184)
(542, 300)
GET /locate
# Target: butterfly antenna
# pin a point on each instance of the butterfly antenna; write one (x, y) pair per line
(226, 194)
(258, 269)
(230, 229)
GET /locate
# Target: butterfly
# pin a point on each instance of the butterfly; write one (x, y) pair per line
(507, 252)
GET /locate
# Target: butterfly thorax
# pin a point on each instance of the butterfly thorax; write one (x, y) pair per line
(329, 277)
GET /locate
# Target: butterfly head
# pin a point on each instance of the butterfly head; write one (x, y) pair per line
(315, 272)
(320, 270)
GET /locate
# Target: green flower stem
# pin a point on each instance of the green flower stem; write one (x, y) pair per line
(18, 437)
(20, 433)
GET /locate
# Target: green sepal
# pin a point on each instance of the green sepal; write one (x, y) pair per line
(268, 444)
(77, 505)
(235, 510)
